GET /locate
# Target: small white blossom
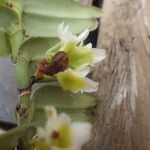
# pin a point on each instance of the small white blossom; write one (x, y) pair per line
(80, 57)
(69, 40)
(75, 61)
(60, 133)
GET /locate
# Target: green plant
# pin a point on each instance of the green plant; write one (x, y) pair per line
(28, 33)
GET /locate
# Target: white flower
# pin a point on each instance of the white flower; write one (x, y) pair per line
(75, 61)
(80, 58)
(60, 133)
(78, 53)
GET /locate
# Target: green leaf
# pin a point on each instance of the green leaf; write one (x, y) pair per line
(2, 1)
(12, 23)
(5, 49)
(8, 18)
(16, 5)
(35, 48)
(41, 17)
(16, 40)
(76, 105)
(10, 139)
(62, 99)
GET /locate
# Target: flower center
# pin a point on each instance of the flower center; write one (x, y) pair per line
(55, 134)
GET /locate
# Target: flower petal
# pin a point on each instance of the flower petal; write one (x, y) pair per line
(65, 34)
(70, 80)
(79, 56)
(77, 129)
(60, 30)
(50, 112)
(89, 45)
(83, 35)
(91, 86)
(64, 118)
(99, 54)
(83, 70)
(41, 132)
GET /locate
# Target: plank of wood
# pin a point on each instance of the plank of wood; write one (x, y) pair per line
(123, 112)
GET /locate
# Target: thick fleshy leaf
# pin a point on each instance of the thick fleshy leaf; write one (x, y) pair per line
(16, 40)
(16, 5)
(8, 17)
(14, 28)
(41, 17)
(35, 48)
(76, 105)
(10, 139)
(5, 49)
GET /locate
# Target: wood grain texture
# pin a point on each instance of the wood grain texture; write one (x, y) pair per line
(123, 112)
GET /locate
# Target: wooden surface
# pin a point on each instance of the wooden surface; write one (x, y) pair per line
(123, 112)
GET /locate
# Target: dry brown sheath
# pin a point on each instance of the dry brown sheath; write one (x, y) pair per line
(59, 63)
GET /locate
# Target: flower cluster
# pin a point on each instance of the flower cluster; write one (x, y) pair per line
(60, 133)
(72, 62)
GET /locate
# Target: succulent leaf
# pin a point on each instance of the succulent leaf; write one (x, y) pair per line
(5, 48)
(8, 18)
(35, 48)
(41, 17)
(76, 105)
(16, 40)
(16, 5)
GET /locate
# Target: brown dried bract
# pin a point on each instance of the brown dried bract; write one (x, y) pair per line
(21, 111)
(59, 63)
(25, 90)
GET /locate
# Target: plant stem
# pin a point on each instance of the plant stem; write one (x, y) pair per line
(24, 107)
